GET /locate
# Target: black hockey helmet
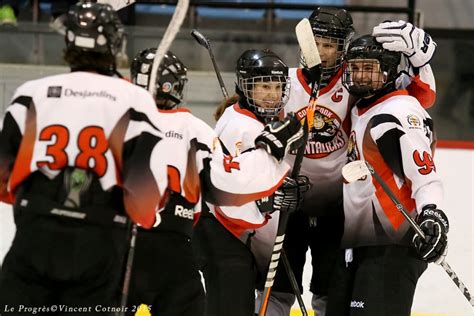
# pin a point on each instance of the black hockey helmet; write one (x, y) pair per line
(262, 66)
(93, 27)
(364, 57)
(335, 25)
(170, 78)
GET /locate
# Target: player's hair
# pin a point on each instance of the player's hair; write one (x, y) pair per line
(79, 60)
(225, 103)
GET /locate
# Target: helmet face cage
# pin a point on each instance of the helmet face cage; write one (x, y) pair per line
(364, 77)
(94, 27)
(370, 68)
(331, 26)
(275, 93)
(262, 82)
(170, 81)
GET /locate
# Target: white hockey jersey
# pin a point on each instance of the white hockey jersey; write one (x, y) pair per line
(329, 121)
(88, 121)
(197, 163)
(237, 129)
(325, 151)
(395, 135)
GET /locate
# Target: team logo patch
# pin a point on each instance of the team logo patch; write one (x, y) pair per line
(325, 134)
(54, 91)
(413, 121)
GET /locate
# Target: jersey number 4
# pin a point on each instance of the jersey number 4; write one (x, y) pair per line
(91, 142)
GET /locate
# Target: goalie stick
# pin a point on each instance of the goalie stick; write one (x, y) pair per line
(304, 34)
(203, 41)
(359, 169)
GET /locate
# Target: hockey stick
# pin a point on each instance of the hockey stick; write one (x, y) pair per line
(165, 43)
(305, 37)
(203, 41)
(170, 34)
(359, 169)
(128, 269)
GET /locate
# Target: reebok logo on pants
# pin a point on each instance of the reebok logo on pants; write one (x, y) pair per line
(357, 304)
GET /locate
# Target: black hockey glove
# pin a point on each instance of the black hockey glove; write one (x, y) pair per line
(434, 223)
(279, 137)
(287, 198)
(312, 74)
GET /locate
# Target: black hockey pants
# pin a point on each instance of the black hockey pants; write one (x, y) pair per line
(56, 263)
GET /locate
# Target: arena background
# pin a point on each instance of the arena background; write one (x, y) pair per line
(33, 50)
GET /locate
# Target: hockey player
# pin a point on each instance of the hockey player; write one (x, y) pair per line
(234, 244)
(320, 224)
(165, 273)
(392, 132)
(74, 161)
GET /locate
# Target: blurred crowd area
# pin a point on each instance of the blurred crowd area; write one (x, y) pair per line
(34, 33)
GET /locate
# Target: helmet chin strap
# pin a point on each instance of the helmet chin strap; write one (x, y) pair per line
(166, 96)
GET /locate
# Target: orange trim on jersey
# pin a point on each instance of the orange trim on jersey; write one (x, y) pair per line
(422, 92)
(21, 168)
(245, 112)
(382, 99)
(174, 110)
(234, 225)
(455, 144)
(373, 156)
(307, 88)
(302, 80)
(196, 218)
(192, 183)
(174, 179)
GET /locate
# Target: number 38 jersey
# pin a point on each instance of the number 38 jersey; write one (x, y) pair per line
(395, 135)
(87, 121)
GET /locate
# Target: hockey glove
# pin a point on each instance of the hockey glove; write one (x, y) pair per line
(279, 137)
(403, 37)
(435, 225)
(287, 198)
(312, 74)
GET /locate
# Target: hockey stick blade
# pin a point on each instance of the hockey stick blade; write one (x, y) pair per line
(201, 39)
(354, 171)
(304, 34)
(117, 4)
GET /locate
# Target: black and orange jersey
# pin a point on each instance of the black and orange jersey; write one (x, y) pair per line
(395, 135)
(88, 121)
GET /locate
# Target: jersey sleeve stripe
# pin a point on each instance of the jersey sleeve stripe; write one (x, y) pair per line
(141, 117)
(23, 100)
(384, 118)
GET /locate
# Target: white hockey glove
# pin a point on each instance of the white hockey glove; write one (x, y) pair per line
(434, 223)
(287, 198)
(279, 137)
(404, 37)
